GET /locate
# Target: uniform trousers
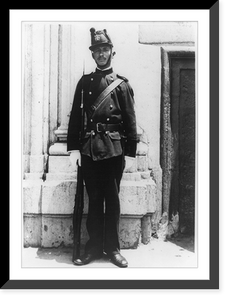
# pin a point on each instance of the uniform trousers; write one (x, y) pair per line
(102, 180)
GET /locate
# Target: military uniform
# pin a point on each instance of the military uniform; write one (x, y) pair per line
(118, 108)
(109, 135)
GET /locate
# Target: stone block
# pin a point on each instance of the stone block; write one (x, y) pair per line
(133, 169)
(167, 33)
(145, 175)
(32, 225)
(58, 149)
(156, 175)
(136, 176)
(151, 196)
(133, 197)
(33, 176)
(142, 148)
(152, 157)
(56, 231)
(61, 176)
(146, 229)
(142, 163)
(58, 197)
(60, 164)
(37, 163)
(32, 193)
(130, 232)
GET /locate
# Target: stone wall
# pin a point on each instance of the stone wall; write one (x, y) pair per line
(49, 203)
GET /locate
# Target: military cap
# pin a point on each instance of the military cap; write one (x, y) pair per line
(99, 38)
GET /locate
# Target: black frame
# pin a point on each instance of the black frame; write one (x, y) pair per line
(213, 282)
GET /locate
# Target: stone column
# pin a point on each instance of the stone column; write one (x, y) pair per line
(58, 160)
(68, 40)
(64, 77)
(36, 97)
(36, 68)
(27, 95)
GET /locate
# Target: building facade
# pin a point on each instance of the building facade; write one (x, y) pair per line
(158, 58)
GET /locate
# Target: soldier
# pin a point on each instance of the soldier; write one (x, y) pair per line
(108, 146)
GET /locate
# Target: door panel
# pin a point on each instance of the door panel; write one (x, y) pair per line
(182, 195)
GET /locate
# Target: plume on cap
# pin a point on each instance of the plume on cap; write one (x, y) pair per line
(99, 37)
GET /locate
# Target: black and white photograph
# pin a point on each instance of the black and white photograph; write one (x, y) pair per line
(115, 162)
(109, 144)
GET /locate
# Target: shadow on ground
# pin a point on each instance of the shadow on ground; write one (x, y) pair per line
(61, 254)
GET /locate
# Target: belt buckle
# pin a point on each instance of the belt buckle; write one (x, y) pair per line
(97, 127)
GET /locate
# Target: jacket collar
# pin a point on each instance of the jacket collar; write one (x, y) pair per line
(105, 71)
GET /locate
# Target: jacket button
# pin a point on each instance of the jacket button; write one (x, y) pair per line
(107, 119)
(91, 78)
(90, 93)
(111, 106)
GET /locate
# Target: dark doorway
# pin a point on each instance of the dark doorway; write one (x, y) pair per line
(178, 137)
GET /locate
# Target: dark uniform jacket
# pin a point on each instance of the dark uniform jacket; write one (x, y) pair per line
(118, 108)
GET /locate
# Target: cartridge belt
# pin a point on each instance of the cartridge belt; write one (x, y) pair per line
(100, 127)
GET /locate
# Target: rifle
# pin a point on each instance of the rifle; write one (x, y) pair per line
(79, 197)
(77, 215)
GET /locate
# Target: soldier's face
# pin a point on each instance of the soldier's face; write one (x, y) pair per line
(102, 56)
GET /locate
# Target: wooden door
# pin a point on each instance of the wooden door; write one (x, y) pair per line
(182, 195)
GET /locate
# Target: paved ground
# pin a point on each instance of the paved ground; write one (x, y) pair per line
(178, 252)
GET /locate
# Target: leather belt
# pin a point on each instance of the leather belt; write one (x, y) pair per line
(100, 127)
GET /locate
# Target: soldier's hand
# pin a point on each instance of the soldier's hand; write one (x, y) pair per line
(129, 161)
(75, 156)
